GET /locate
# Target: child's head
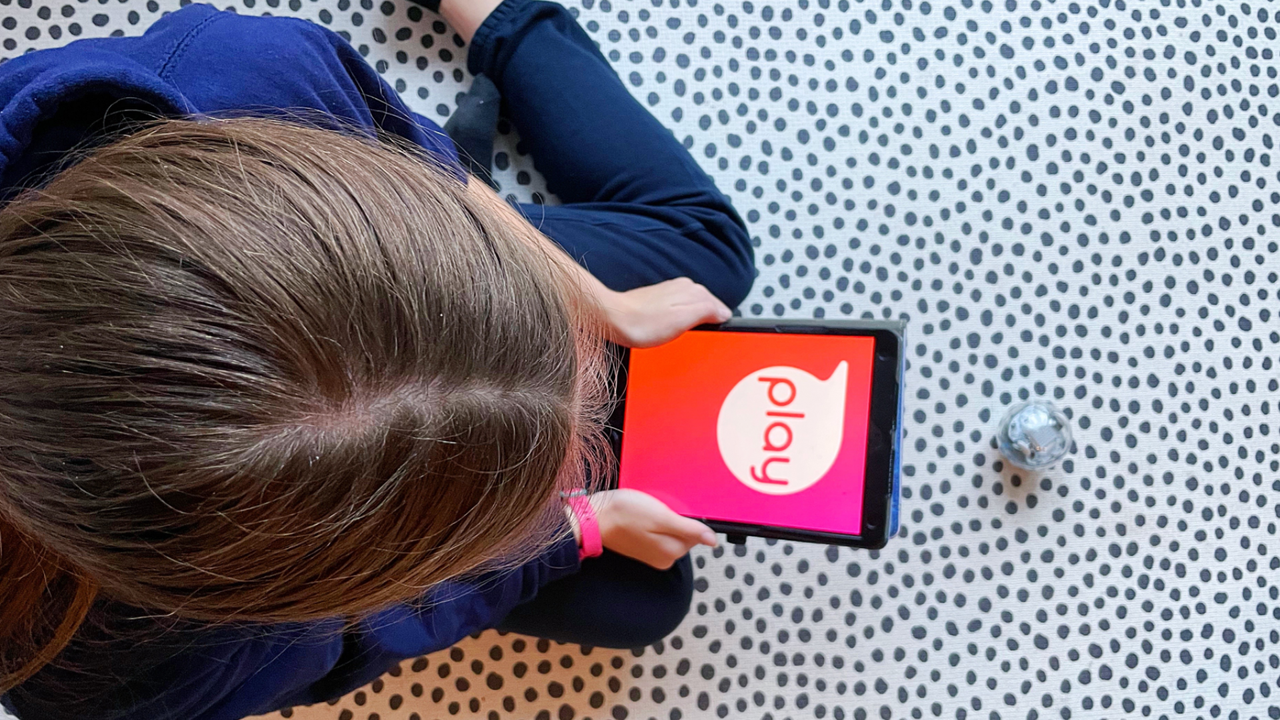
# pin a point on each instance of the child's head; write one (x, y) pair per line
(255, 371)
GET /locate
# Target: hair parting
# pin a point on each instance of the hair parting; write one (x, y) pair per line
(252, 371)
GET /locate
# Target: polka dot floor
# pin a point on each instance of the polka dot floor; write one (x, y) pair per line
(1068, 199)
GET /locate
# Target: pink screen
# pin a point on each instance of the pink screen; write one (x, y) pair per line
(756, 428)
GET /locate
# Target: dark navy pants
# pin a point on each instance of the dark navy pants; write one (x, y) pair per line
(638, 210)
(613, 602)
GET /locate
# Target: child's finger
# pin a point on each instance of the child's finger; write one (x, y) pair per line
(713, 311)
(705, 310)
(706, 537)
(691, 531)
(668, 550)
(716, 310)
(695, 294)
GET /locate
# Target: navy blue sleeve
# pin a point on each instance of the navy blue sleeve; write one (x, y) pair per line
(458, 608)
(197, 60)
(638, 208)
(446, 614)
(240, 63)
(127, 664)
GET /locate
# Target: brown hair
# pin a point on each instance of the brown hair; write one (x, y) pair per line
(256, 371)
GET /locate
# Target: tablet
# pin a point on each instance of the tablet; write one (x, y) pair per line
(774, 429)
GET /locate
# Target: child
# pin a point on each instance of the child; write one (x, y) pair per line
(282, 404)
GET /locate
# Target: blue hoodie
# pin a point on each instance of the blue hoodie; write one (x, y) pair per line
(637, 210)
(197, 60)
(124, 664)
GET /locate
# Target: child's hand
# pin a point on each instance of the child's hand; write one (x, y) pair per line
(640, 526)
(656, 314)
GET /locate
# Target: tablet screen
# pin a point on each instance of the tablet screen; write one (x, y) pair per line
(751, 427)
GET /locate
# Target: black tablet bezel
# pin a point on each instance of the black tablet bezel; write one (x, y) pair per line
(882, 427)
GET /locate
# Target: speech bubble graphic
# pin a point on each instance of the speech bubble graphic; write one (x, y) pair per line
(780, 428)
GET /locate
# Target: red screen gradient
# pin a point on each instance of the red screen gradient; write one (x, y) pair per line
(755, 428)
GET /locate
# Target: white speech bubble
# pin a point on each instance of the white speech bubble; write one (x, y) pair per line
(780, 428)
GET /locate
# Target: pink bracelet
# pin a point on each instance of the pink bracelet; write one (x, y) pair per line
(592, 545)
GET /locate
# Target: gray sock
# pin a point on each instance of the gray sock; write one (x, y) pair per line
(472, 127)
